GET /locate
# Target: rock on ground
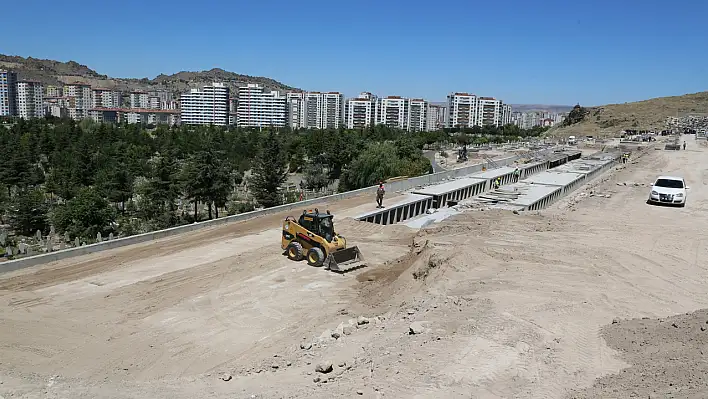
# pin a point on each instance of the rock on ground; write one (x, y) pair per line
(324, 367)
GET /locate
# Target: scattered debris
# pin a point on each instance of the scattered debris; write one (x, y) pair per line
(324, 367)
(226, 377)
(362, 320)
(417, 327)
(306, 345)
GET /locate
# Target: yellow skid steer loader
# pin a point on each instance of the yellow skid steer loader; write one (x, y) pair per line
(312, 237)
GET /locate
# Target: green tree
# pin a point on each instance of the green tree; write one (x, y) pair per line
(85, 215)
(160, 192)
(27, 212)
(207, 179)
(315, 177)
(269, 173)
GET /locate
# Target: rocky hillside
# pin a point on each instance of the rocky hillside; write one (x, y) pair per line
(609, 120)
(52, 72)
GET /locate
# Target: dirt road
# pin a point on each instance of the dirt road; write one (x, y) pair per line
(484, 305)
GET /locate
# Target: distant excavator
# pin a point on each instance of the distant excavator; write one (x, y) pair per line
(312, 237)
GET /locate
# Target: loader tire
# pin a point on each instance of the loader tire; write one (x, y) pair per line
(315, 257)
(295, 251)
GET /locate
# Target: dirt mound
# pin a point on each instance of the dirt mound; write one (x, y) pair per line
(667, 357)
(405, 276)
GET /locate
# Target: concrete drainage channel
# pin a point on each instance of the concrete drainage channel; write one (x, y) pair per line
(543, 189)
(475, 185)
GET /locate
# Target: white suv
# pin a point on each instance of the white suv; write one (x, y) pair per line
(668, 190)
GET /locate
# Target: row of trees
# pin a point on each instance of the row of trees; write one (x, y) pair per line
(84, 177)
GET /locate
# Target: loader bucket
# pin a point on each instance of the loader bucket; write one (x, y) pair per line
(345, 260)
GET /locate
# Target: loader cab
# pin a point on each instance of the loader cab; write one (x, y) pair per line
(320, 224)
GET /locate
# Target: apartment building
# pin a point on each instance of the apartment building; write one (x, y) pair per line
(209, 106)
(154, 102)
(79, 99)
(30, 99)
(418, 110)
(135, 116)
(139, 99)
(53, 91)
(315, 110)
(462, 110)
(303, 109)
(360, 112)
(8, 93)
(489, 112)
(258, 107)
(332, 111)
(392, 111)
(466, 110)
(506, 114)
(436, 117)
(106, 98)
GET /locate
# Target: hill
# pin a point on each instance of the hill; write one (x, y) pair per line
(52, 72)
(541, 107)
(609, 120)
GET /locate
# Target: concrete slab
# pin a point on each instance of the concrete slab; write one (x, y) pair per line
(529, 194)
(493, 173)
(406, 200)
(454, 185)
(554, 178)
(581, 166)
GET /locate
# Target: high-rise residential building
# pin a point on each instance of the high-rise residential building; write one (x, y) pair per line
(489, 112)
(258, 107)
(303, 109)
(153, 102)
(139, 99)
(30, 99)
(8, 93)
(392, 111)
(436, 117)
(418, 110)
(53, 91)
(209, 106)
(315, 110)
(332, 110)
(106, 98)
(467, 110)
(360, 112)
(506, 114)
(462, 110)
(79, 100)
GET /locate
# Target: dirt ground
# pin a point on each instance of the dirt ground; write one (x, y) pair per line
(483, 305)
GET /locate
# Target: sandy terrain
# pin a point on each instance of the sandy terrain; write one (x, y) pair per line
(483, 305)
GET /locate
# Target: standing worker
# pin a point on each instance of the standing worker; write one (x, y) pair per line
(497, 183)
(684, 145)
(517, 175)
(380, 194)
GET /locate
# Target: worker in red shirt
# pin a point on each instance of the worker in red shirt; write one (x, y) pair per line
(380, 194)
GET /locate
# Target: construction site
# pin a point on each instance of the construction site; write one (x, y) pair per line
(538, 275)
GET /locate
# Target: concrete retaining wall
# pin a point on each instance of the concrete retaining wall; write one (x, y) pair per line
(401, 185)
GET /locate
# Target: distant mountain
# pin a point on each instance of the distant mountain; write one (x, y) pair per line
(58, 73)
(541, 107)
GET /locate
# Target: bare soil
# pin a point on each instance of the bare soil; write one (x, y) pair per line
(668, 358)
(487, 304)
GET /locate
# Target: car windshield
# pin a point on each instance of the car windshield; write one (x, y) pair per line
(669, 183)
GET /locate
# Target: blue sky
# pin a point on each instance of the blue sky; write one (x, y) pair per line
(548, 52)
